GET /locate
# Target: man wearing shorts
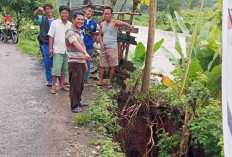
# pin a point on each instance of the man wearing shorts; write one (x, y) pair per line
(77, 60)
(108, 42)
(57, 42)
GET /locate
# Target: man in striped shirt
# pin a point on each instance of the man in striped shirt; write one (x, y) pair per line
(77, 60)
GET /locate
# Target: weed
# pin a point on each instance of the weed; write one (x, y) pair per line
(82, 118)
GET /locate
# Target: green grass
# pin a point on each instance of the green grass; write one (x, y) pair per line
(82, 118)
(28, 46)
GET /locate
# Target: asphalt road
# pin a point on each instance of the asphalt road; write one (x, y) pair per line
(32, 121)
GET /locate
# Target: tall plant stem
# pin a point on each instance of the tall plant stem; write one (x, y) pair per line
(191, 48)
(188, 116)
(150, 48)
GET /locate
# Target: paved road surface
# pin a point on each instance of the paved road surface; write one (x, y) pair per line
(32, 121)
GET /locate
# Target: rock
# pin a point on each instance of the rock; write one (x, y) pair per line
(98, 147)
(94, 152)
(90, 124)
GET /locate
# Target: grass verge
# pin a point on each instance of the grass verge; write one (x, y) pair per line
(27, 46)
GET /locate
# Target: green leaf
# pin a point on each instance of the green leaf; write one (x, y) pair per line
(204, 33)
(177, 41)
(184, 30)
(140, 52)
(194, 67)
(170, 56)
(218, 52)
(214, 78)
(158, 45)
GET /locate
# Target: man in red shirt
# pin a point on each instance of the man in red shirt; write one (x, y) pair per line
(7, 21)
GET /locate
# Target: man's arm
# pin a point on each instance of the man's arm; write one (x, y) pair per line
(101, 37)
(51, 51)
(79, 48)
(39, 10)
(51, 34)
(120, 23)
(71, 37)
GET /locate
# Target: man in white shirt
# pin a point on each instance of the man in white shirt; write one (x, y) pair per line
(57, 48)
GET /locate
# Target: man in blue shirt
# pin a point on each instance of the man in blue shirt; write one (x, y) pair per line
(89, 30)
(45, 22)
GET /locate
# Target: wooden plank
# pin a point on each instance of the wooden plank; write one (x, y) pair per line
(128, 21)
(125, 29)
(128, 41)
(126, 65)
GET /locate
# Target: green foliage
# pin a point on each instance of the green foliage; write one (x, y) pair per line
(28, 32)
(109, 148)
(103, 109)
(82, 118)
(189, 18)
(27, 46)
(206, 128)
(206, 58)
(168, 144)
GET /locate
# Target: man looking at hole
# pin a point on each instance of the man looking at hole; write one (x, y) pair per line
(45, 22)
(57, 41)
(108, 43)
(89, 29)
(77, 65)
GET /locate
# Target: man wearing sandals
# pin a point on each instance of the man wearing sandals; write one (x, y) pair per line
(57, 42)
(77, 60)
(108, 42)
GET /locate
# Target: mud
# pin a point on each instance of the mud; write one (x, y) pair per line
(34, 122)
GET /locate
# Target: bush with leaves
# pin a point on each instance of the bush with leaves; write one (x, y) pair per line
(206, 128)
(103, 109)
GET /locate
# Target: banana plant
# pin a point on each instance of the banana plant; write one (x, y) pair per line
(139, 57)
(206, 56)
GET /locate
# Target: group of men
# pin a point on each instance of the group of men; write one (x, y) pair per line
(67, 48)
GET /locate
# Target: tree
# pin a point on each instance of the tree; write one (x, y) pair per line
(25, 8)
(150, 48)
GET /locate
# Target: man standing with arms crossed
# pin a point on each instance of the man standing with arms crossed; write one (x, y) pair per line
(89, 29)
(77, 65)
(45, 22)
(109, 46)
(57, 42)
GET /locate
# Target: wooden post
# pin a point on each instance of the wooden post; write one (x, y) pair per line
(69, 4)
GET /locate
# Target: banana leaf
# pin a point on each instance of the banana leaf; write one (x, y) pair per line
(204, 33)
(158, 45)
(194, 67)
(214, 79)
(185, 31)
(140, 52)
(177, 41)
(170, 56)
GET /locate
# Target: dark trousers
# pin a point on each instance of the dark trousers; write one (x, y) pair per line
(76, 78)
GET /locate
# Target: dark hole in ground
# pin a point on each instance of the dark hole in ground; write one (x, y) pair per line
(134, 138)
